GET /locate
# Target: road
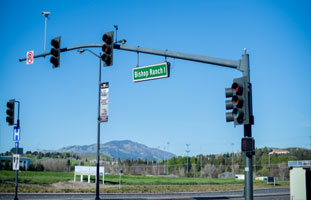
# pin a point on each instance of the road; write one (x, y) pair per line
(259, 194)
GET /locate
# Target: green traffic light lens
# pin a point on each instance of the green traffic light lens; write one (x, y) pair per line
(236, 113)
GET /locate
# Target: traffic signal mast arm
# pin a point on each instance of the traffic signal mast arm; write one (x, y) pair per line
(65, 49)
(236, 64)
(191, 57)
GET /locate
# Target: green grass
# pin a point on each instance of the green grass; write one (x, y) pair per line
(31, 177)
(39, 182)
(154, 180)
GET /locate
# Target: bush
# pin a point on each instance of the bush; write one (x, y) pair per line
(54, 165)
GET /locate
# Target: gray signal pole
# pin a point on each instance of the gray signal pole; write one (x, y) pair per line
(98, 122)
(248, 170)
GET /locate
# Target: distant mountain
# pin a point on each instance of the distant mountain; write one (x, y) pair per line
(125, 149)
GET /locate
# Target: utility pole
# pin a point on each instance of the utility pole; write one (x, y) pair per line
(187, 150)
(232, 169)
(164, 160)
(269, 162)
(168, 144)
(201, 155)
(158, 163)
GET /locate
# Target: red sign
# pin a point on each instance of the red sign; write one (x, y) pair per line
(29, 57)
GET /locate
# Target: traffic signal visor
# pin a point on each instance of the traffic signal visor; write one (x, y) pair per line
(237, 101)
(107, 48)
(10, 112)
(55, 51)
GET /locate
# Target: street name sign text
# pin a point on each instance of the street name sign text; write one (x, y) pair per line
(151, 72)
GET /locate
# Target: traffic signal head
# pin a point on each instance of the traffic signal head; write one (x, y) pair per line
(55, 51)
(107, 48)
(248, 145)
(10, 112)
(238, 104)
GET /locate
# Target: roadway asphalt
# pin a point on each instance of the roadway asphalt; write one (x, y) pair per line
(259, 194)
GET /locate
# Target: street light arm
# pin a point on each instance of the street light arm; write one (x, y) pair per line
(92, 52)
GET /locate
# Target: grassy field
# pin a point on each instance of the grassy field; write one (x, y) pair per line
(49, 182)
(31, 177)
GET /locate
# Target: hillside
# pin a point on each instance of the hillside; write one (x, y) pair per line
(125, 149)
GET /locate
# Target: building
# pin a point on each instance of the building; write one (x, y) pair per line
(23, 162)
(239, 177)
(279, 152)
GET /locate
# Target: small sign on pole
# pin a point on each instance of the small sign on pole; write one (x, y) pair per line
(29, 57)
(16, 134)
(15, 162)
(104, 94)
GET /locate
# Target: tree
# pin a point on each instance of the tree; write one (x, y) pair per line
(68, 164)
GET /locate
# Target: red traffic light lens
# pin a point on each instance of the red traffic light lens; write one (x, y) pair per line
(10, 105)
(107, 39)
(55, 52)
(238, 88)
(56, 42)
(106, 49)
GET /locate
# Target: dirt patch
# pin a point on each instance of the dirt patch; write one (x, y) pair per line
(76, 185)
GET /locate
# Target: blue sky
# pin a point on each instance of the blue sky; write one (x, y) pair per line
(59, 106)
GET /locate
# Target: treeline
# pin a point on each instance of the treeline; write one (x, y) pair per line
(220, 165)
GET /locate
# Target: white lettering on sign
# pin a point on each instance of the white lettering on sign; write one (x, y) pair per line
(141, 74)
(156, 71)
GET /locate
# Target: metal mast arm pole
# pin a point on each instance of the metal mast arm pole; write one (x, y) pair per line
(66, 49)
(236, 64)
(183, 56)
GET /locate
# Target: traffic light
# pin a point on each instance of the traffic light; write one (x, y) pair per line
(55, 59)
(239, 102)
(248, 145)
(10, 112)
(107, 48)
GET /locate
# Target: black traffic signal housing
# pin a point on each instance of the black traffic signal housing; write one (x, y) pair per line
(239, 102)
(10, 112)
(248, 145)
(55, 51)
(107, 48)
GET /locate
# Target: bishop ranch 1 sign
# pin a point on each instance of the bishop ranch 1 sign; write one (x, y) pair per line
(151, 72)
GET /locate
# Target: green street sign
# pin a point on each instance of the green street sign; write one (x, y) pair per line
(151, 72)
